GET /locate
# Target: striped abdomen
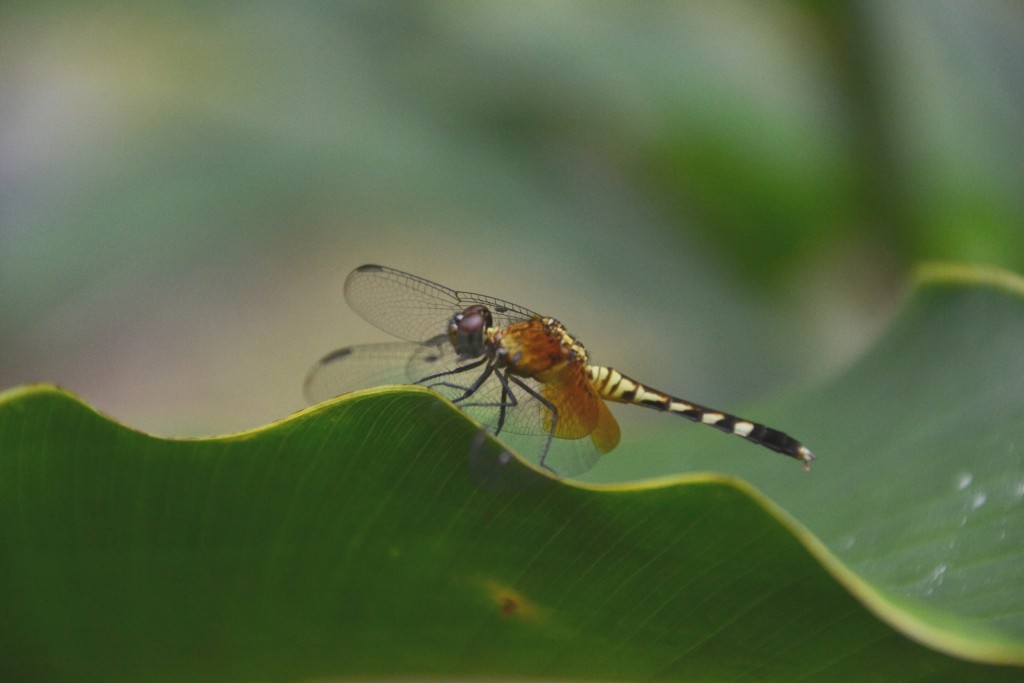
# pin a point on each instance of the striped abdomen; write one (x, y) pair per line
(612, 385)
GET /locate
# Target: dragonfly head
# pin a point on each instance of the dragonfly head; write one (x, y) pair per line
(468, 331)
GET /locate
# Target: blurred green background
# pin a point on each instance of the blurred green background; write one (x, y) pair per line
(719, 198)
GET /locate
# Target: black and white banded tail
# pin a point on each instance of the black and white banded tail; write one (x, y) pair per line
(612, 385)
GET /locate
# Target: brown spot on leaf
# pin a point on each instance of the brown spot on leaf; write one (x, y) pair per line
(509, 606)
(509, 602)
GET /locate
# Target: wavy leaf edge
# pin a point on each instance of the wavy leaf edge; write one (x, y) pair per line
(989, 648)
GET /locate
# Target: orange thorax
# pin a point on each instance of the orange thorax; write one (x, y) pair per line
(539, 348)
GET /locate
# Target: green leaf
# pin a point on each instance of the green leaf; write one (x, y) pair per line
(363, 537)
(918, 490)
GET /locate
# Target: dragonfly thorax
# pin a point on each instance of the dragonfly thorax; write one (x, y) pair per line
(468, 331)
(538, 348)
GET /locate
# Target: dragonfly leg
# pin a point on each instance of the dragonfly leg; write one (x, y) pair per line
(466, 391)
(554, 419)
(456, 371)
(508, 400)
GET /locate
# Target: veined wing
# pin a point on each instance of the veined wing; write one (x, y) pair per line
(414, 308)
(581, 411)
(373, 365)
(585, 430)
(430, 365)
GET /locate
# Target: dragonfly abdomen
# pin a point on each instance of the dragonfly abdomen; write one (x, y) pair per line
(612, 385)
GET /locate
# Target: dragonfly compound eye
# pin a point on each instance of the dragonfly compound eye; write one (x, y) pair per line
(467, 330)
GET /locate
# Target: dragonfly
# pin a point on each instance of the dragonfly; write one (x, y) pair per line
(519, 374)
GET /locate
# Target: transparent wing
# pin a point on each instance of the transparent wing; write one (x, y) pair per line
(416, 309)
(565, 457)
(437, 367)
(519, 414)
(524, 422)
(362, 367)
